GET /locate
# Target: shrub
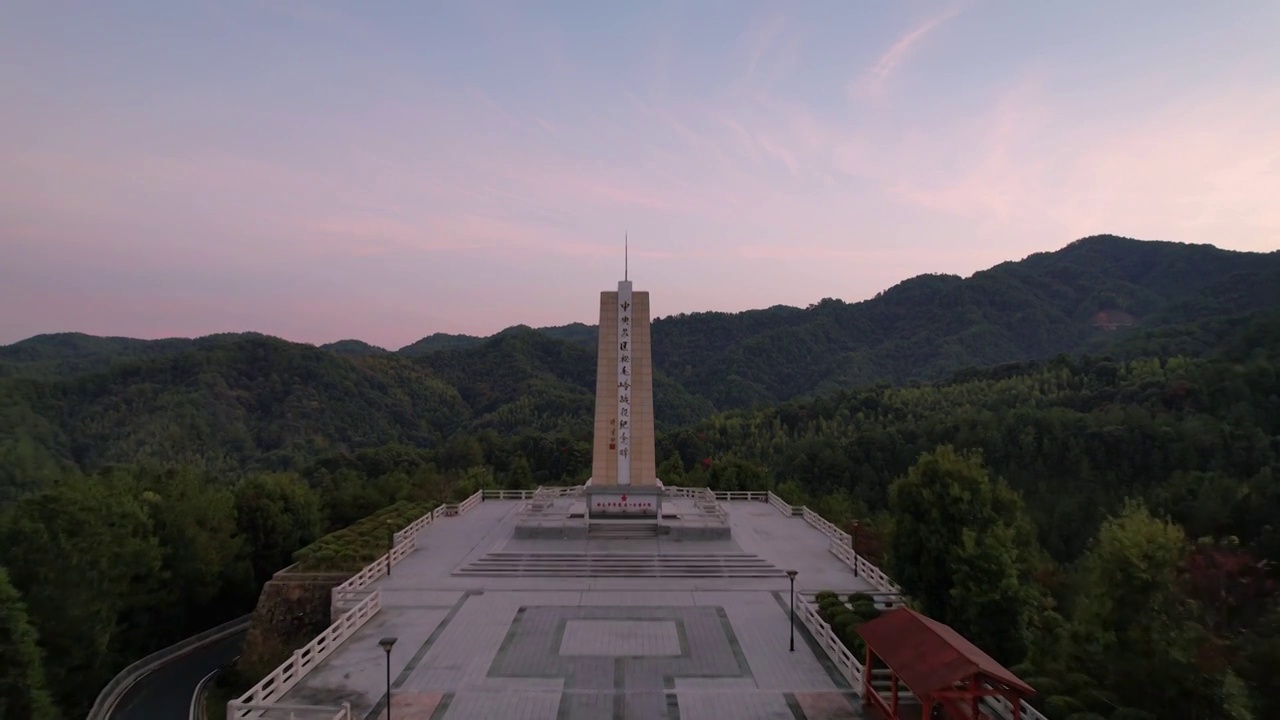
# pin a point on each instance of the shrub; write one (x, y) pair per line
(1132, 714)
(827, 607)
(1060, 707)
(825, 595)
(1077, 683)
(866, 611)
(1023, 670)
(856, 645)
(1097, 699)
(836, 612)
(362, 542)
(1046, 686)
(861, 597)
(845, 623)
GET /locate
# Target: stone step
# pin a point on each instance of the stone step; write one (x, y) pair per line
(612, 554)
(565, 564)
(619, 573)
(665, 559)
(622, 529)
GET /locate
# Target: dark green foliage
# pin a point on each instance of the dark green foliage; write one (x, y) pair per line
(1060, 707)
(1133, 714)
(844, 619)
(84, 557)
(926, 328)
(963, 548)
(357, 545)
(1045, 686)
(23, 695)
(120, 564)
(353, 348)
(1260, 663)
(148, 488)
(276, 514)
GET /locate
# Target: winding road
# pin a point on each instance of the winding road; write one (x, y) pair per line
(165, 694)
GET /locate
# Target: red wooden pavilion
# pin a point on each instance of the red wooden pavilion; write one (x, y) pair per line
(939, 666)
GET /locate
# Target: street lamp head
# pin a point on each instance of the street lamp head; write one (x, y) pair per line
(792, 574)
(386, 644)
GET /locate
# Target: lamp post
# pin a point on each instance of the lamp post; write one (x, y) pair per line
(791, 575)
(855, 548)
(386, 644)
(391, 543)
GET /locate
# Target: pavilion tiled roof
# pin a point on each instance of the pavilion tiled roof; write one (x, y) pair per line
(929, 656)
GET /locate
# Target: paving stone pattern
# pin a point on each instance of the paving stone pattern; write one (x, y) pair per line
(621, 638)
(544, 648)
(617, 681)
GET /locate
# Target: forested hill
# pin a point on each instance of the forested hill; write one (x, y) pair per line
(923, 328)
(1107, 524)
(230, 402)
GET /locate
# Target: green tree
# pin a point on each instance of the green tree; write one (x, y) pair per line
(520, 476)
(1135, 622)
(84, 556)
(23, 695)
(204, 555)
(1261, 665)
(277, 514)
(963, 548)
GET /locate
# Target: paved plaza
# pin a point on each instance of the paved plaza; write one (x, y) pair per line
(524, 646)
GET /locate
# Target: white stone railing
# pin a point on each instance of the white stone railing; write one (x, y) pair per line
(780, 505)
(1004, 709)
(355, 589)
(840, 545)
(508, 494)
(356, 601)
(459, 508)
(825, 527)
(261, 697)
(864, 569)
(681, 491)
(308, 712)
(415, 527)
(559, 491)
(849, 666)
(742, 495)
(708, 504)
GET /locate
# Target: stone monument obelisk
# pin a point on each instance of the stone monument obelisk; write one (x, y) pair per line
(624, 480)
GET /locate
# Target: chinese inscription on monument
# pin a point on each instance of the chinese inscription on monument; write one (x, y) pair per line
(622, 437)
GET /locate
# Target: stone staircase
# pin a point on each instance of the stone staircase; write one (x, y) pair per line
(883, 686)
(618, 564)
(622, 530)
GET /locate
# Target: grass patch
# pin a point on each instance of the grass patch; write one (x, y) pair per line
(362, 542)
(226, 686)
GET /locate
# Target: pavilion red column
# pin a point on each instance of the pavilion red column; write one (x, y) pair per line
(866, 678)
(1016, 702)
(894, 706)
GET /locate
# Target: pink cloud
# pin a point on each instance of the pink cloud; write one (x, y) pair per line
(870, 84)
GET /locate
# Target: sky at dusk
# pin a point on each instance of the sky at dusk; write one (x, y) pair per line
(321, 170)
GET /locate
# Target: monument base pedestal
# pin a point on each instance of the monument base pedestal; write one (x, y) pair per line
(624, 502)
